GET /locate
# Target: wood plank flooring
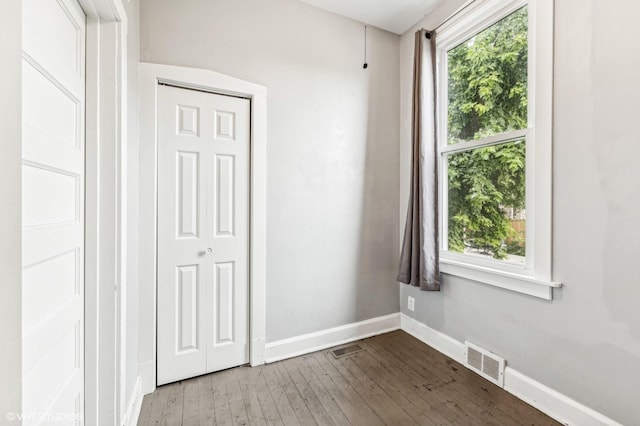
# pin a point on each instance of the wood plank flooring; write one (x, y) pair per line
(394, 380)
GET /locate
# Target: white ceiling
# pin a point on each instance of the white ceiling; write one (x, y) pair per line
(396, 16)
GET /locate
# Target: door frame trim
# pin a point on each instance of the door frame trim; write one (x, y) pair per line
(208, 81)
(105, 210)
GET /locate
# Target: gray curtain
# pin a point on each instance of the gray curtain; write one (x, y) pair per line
(419, 260)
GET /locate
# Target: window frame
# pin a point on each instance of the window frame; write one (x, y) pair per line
(534, 278)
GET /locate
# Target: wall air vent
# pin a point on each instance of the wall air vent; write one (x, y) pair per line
(485, 363)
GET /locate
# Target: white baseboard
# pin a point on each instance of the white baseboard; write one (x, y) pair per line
(556, 405)
(147, 372)
(437, 340)
(307, 343)
(134, 406)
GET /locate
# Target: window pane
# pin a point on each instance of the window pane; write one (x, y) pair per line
(486, 202)
(487, 80)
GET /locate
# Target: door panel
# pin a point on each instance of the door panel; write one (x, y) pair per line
(203, 232)
(187, 318)
(55, 202)
(187, 195)
(223, 295)
(53, 210)
(224, 213)
(49, 108)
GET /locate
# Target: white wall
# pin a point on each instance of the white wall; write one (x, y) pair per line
(11, 211)
(332, 159)
(586, 342)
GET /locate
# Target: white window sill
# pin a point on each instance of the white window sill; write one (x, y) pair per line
(508, 280)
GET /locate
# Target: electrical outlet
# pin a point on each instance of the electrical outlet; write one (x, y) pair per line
(411, 303)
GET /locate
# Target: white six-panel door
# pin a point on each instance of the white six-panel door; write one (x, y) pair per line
(53, 211)
(203, 233)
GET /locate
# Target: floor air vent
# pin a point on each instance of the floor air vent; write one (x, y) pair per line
(346, 350)
(485, 363)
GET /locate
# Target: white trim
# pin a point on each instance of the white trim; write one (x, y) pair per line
(542, 47)
(134, 406)
(150, 75)
(512, 136)
(105, 204)
(485, 262)
(556, 405)
(471, 20)
(549, 401)
(511, 281)
(147, 372)
(437, 340)
(312, 342)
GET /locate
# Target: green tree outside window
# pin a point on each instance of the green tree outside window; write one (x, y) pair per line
(487, 85)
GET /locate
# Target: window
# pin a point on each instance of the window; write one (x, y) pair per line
(494, 120)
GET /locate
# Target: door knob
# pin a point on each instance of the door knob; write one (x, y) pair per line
(208, 250)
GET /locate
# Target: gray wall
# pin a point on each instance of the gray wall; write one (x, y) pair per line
(333, 157)
(11, 211)
(586, 342)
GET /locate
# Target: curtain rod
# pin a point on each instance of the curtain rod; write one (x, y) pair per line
(453, 15)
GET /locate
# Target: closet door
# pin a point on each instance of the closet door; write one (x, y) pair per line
(203, 232)
(53, 86)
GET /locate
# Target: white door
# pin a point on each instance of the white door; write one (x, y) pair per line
(53, 211)
(203, 233)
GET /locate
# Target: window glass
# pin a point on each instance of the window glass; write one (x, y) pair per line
(486, 202)
(487, 81)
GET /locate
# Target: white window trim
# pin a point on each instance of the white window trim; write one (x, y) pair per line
(535, 278)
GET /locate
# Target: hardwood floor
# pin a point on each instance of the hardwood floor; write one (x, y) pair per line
(394, 380)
